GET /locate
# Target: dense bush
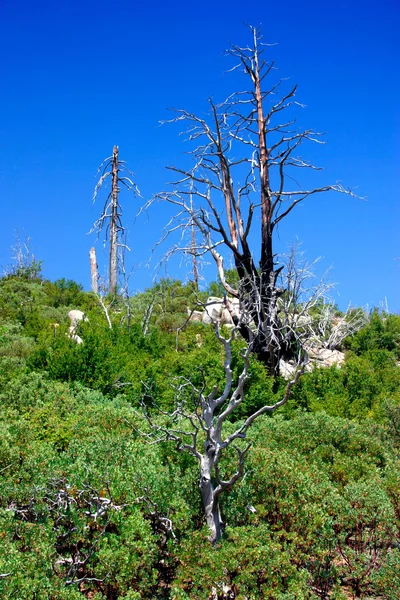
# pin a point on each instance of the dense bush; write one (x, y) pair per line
(64, 292)
(89, 509)
(360, 390)
(381, 333)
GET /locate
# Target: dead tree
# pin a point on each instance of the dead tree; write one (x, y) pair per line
(24, 263)
(306, 316)
(197, 426)
(198, 423)
(195, 268)
(111, 217)
(244, 176)
(94, 275)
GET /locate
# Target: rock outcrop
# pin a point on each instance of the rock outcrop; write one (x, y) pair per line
(216, 310)
(325, 357)
(219, 310)
(318, 357)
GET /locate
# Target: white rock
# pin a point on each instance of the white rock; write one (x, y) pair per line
(212, 310)
(216, 311)
(326, 357)
(76, 316)
(74, 336)
(286, 369)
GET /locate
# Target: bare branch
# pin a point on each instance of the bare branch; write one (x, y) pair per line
(243, 154)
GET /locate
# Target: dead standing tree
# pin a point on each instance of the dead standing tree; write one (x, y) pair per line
(203, 422)
(242, 142)
(111, 217)
(197, 426)
(244, 156)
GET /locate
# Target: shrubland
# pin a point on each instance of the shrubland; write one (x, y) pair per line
(89, 509)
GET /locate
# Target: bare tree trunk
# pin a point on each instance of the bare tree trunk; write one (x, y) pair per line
(114, 223)
(209, 418)
(210, 500)
(194, 258)
(111, 217)
(94, 271)
(147, 317)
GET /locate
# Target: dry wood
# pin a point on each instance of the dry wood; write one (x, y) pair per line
(245, 163)
(111, 217)
(94, 271)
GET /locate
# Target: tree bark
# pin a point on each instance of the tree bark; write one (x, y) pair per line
(94, 271)
(114, 223)
(210, 501)
(194, 258)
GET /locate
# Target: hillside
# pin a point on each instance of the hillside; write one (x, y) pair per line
(90, 509)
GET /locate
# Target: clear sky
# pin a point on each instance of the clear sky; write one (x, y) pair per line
(79, 77)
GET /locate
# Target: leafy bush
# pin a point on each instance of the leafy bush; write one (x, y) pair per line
(64, 292)
(381, 333)
(359, 390)
(83, 496)
(249, 563)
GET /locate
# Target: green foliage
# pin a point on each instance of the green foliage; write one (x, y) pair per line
(316, 515)
(381, 333)
(365, 531)
(13, 342)
(64, 292)
(20, 301)
(58, 437)
(165, 304)
(387, 578)
(315, 483)
(327, 490)
(361, 389)
(26, 554)
(248, 563)
(37, 305)
(15, 348)
(66, 360)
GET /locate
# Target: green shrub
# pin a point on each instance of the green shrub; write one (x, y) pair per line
(64, 292)
(360, 389)
(248, 563)
(381, 333)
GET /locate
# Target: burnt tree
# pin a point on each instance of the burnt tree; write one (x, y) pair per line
(245, 155)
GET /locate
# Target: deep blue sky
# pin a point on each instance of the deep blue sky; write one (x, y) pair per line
(79, 77)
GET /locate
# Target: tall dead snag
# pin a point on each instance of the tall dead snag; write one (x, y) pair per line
(195, 268)
(111, 217)
(114, 221)
(244, 176)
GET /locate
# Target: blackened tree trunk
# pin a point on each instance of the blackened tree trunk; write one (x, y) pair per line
(245, 162)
